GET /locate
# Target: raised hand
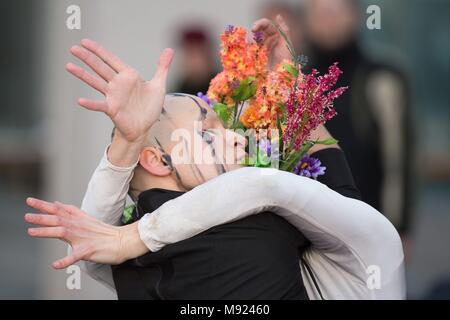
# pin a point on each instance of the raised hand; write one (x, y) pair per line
(90, 239)
(132, 103)
(276, 44)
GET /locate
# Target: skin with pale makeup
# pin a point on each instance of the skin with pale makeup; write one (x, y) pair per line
(144, 118)
(192, 144)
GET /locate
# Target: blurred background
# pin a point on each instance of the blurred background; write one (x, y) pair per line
(394, 123)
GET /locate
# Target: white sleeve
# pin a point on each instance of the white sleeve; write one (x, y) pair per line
(107, 191)
(350, 235)
(105, 200)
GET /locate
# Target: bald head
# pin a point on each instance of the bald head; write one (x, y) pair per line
(191, 142)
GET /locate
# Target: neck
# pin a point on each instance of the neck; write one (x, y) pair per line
(144, 181)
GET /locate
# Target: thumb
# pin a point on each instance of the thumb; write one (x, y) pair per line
(68, 260)
(165, 59)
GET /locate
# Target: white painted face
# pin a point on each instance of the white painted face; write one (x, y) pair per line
(194, 142)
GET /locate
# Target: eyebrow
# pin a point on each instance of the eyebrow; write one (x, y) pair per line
(203, 112)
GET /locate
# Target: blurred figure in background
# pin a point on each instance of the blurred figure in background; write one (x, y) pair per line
(373, 125)
(197, 60)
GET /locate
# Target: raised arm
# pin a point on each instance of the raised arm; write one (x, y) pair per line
(133, 105)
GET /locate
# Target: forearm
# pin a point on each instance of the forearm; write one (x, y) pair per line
(124, 153)
(107, 190)
(321, 134)
(254, 190)
(129, 246)
(106, 194)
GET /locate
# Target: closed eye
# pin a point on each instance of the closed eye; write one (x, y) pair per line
(207, 136)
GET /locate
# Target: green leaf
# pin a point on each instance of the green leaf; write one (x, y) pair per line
(306, 146)
(292, 160)
(291, 69)
(287, 40)
(262, 159)
(222, 111)
(249, 92)
(231, 117)
(128, 214)
(245, 91)
(327, 142)
(238, 125)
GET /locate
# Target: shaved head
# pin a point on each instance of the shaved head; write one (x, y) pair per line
(192, 142)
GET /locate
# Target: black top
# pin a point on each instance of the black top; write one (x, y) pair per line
(359, 129)
(253, 258)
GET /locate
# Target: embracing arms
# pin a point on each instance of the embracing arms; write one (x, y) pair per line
(347, 235)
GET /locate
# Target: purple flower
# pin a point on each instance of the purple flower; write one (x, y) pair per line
(258, 37)
(266, 146)
(235, 84)
(229, 29)
(303, 60)
(309, 167)
(205, 98)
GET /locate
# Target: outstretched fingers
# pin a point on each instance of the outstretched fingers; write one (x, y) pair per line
(43, 219)
(49, 232)
(72, 210)
(114, 62)
(67, 261)
(93, 81)
(94, 62)
(46, 207)
(93, 105)
(164, 62)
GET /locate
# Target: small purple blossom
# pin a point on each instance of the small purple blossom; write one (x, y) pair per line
(229, 29)
(303, 60)
(205, 98)
(258, 37)
(309, 167)
(235, 84)
(266, 146)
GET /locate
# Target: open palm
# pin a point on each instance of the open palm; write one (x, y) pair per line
(132, 103)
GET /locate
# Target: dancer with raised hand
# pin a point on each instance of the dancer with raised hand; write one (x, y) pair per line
(228, 220)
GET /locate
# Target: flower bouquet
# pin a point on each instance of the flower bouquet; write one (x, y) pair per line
(282, 106)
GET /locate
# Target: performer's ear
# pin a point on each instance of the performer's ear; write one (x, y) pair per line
(151, 159)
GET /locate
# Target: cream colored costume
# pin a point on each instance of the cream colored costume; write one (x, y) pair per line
(355, 251)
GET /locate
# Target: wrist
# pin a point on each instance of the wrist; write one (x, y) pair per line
(123, 152)
(320, 134)
(131, 245)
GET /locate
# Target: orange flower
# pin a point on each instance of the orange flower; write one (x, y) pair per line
(273, 91)
(240, 59)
